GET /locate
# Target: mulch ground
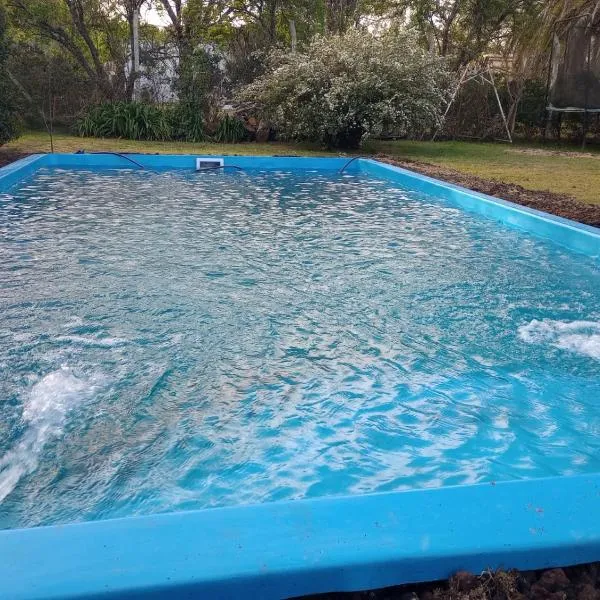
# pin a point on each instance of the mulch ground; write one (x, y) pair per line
(557, 204)
(7, 156)
(574, 583)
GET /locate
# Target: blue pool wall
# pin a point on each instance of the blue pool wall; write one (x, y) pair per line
(280, 550)
(575, 236)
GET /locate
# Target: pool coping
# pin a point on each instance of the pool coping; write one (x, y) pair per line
(285, 549)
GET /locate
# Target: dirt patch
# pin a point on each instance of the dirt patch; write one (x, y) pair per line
(567, 153)
(551, 202)
(574, 583)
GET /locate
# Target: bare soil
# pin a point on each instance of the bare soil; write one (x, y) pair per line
(567, 153)
(573, 583)
(8, 156)
(551, 202)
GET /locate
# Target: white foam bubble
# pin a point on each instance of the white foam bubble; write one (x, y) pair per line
(106, 342)
(580, 337)
(45, 413)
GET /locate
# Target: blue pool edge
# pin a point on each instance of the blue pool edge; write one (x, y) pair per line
(280, 550)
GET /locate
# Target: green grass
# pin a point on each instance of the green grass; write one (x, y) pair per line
(549, 168)
(555, 169)
(32, 142)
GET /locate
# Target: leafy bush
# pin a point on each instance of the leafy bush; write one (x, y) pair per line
(343, 89)
(230, 130)
(531, 114)
(130, 120)
(51, 79)
(197, 76)
(139, 121)
(8, 114)
(187, 122)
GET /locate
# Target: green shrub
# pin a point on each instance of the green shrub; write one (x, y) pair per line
(187, 122)
(531, 115)
(343, 89)
(130, 120)
(230, 130)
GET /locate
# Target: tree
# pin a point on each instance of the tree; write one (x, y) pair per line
(342, 89)
(465, 29)
(132, 12)
(93, 32)
(535, 39)
(8, 116)
(197, 20)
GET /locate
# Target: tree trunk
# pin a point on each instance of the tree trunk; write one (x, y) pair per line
(293, 35)
(135, 54)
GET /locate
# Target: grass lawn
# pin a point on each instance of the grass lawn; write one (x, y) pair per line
(36, 141)
(533, 167)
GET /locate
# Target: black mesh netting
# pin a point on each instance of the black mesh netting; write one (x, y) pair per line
(575, 79)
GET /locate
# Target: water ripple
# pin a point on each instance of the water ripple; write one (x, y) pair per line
(174, 341)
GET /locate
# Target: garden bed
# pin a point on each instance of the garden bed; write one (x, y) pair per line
(8, 156)
(551, 202)
(574, 583)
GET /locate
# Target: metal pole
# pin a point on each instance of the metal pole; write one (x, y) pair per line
(587, 88)
(293, 36)
(493, 82)
(135, 31)
(50, 107)
(548, 113)
(450, 102)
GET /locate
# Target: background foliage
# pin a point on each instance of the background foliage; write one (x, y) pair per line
(8, 116)
(345, 88)
(69, 56)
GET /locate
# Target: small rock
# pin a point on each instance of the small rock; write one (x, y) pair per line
(525, 581)
(588, 592)
(594, 571)
(554, 580)
(539, 592)
(463, 581)
(263, 132)
(413, 596)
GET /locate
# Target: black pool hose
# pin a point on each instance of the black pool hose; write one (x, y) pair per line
(349, 163)
(141, 166)
(220, 167)
(135, 162)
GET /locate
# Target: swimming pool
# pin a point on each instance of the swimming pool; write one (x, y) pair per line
(284, 340)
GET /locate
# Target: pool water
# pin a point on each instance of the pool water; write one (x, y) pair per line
(179, 340)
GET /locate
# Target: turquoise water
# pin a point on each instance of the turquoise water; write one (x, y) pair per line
(175, 341)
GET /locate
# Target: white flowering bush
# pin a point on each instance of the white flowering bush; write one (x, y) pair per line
(342, 89)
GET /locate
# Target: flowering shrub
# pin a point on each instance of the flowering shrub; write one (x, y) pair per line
(343, 89)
